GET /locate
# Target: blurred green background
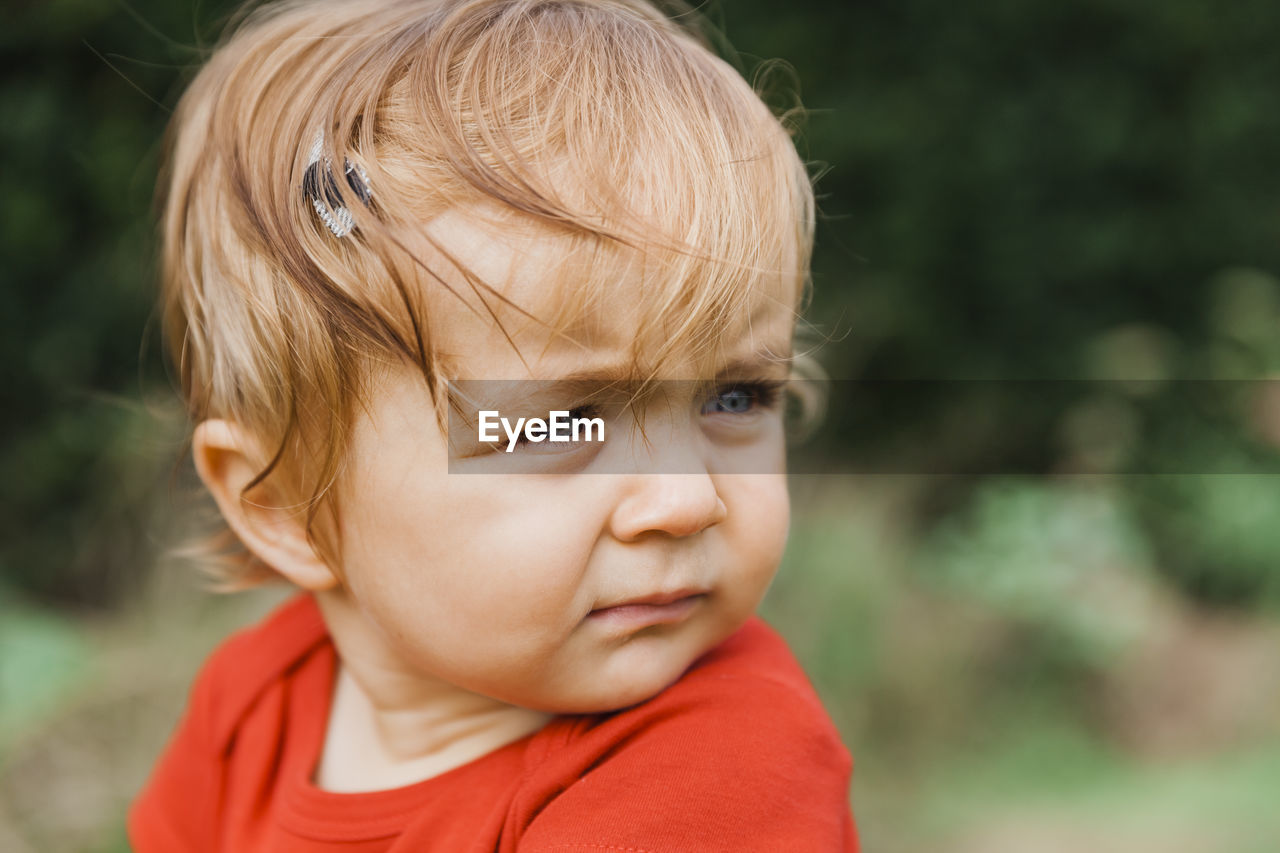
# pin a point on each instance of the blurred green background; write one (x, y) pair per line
(1069, 659)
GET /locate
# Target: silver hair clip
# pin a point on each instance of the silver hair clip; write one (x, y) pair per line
(321, 188)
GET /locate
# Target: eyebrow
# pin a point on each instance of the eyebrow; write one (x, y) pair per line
(762, 357)
(608, 382)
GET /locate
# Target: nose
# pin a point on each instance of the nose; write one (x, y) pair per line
(674, 504)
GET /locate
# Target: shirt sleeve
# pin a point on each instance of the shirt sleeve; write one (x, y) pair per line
(739, 765)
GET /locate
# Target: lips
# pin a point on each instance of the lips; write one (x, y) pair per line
(656, 599)
(665, 608)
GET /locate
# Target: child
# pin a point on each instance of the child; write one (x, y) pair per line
(369, 203)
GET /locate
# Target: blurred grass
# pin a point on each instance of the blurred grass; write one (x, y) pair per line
(1043, 787)
(44, 657)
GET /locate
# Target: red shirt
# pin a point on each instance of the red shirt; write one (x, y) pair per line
(737, 755)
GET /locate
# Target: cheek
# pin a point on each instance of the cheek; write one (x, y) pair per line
(762, 508)
(476, 548)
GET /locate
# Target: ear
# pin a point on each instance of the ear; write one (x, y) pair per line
(228, 458)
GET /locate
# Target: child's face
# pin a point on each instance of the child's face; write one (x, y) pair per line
(509, 584)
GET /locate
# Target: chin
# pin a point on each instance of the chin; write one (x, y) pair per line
(647, 663)
(622, 689)
(620, 698)
(645, 677)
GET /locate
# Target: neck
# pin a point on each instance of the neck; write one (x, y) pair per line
(391, 725)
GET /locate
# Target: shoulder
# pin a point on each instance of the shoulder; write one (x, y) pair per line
(751, 697)
(754, 660)
(248, 662)
(739, 754)
(251, 660)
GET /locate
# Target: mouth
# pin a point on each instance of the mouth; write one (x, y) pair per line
(649, 610)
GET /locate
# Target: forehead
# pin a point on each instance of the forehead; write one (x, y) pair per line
(512, 300)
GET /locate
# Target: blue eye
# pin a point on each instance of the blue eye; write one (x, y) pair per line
(735, 401)
(742, 398)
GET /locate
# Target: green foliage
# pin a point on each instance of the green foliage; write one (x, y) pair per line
(1216, 534)
(1055, 561)
(1008, 179)
(84, 102)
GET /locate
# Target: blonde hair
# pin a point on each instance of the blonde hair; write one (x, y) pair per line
(601, 120)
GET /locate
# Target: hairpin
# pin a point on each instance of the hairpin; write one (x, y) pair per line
(321, 188)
